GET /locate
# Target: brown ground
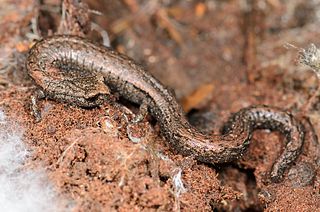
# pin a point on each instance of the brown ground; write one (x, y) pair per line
(218, 56)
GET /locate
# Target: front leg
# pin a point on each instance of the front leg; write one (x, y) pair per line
(35, 97)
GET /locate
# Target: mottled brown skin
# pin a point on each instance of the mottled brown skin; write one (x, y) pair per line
(74, 70)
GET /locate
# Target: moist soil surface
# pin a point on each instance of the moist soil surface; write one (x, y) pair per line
(218, 56)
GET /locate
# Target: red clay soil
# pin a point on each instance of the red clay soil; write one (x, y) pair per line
(218, 56)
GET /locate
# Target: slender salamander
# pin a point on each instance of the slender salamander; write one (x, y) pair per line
(74, 70)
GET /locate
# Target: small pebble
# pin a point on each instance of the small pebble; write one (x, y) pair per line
(51, 129)
(109, 126)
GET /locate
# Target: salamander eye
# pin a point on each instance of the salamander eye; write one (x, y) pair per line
(42, 65)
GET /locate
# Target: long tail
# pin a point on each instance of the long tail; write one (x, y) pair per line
(236, 136)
